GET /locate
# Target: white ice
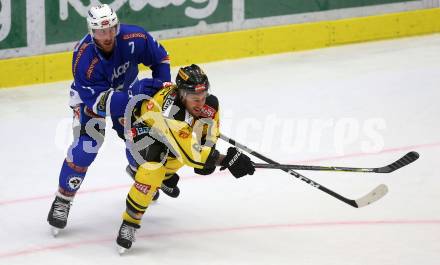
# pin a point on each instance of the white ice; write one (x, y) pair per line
(361, 105)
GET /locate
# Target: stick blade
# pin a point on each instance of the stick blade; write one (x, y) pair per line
(403, 161)
(373, 196)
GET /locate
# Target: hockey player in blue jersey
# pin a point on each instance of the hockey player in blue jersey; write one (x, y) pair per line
(105, 71)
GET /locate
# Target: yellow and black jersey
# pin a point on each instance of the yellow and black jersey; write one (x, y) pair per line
(191, 139)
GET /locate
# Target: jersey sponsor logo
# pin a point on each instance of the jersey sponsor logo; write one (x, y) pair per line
(78, 56)
(117, 72)
(169, 101)
(103, 101)
(150, 105)
(144, 188)
(134, 36)
(208, 112)
(74, 182)
(184, 133)
(92, 67)
(139, 131)
(142, 130)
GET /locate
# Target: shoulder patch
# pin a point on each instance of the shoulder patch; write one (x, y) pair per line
(92, 67)
(134, 36)
(81, 50)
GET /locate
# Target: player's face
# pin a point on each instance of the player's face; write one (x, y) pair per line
(195, 102)
(105, 38)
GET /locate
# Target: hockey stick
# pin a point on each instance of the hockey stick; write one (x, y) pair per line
(403, 161)
(369, 198)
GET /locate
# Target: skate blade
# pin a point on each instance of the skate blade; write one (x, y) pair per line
(54, 231)
(121, 250)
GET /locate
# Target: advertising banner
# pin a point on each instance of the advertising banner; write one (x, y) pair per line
(32, 27)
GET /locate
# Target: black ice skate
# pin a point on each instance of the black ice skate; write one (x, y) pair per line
(58, 214)
(126, 236)
(169, 186)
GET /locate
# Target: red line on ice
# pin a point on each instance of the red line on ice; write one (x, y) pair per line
(195, 232)
(84, 191)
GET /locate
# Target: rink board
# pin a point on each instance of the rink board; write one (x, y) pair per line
(239, 44)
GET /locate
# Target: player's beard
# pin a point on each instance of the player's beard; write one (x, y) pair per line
(106, 45)
(195, 111)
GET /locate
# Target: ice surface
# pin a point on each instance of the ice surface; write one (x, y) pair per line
(361, 105)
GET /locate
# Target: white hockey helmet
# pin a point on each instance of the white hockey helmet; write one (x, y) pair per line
(102, 17)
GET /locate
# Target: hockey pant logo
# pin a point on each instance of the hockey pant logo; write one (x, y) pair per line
(143, 188)
(74, 182)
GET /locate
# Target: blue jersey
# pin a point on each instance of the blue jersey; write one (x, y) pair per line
(99, 80)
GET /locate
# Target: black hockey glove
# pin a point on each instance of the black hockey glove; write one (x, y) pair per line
(238, 163)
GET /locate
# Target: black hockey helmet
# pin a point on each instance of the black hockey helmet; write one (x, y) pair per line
(192, 79)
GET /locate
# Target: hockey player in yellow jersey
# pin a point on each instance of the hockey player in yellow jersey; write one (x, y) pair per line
(178, 126)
